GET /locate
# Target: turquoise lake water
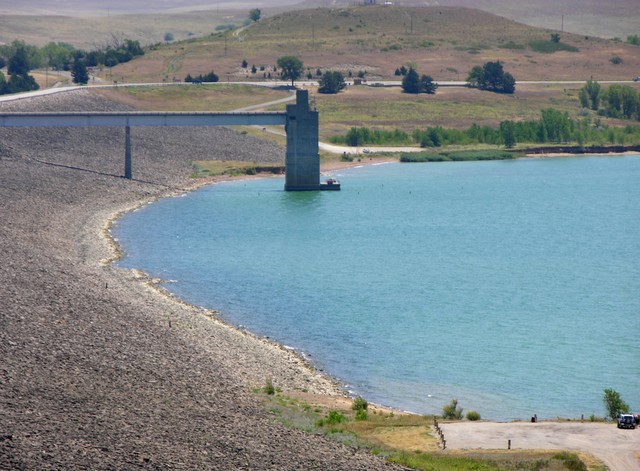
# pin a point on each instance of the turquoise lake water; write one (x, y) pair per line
(513, 286)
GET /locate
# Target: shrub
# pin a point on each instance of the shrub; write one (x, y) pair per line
(362, 414)
(210, 77)
(451, 411)
(473, 415)
(549, 47)
(359, 403)
(269, 388)
(571, 461)
(333, 417)
(512, 45)
(487, 154)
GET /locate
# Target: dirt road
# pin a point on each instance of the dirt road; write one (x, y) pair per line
(618, 449)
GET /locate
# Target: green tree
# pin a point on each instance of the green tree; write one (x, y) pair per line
(474, 76)
(508, 83)
(3, 85)
(555, 126)
(331, 82)
(621, 101)
(27, 54)
(292, 68)
(21, 83)
(255, 14)
(79, 71)
(18, 63)
(590, 95)
(614, 404)
(57, 55)
(555, 38)
(411, 82)
(435, 136)
(18, 68)
(508, 134)
(427, 85)
(492, 77)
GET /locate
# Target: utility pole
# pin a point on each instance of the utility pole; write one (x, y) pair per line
(562, 27)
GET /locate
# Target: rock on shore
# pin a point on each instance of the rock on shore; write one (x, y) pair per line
(98, 370)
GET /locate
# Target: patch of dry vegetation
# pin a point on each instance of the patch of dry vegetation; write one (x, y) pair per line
(443, 42)
(405, 438)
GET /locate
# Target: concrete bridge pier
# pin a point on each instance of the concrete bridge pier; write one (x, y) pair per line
(128, 162)
(302, 164)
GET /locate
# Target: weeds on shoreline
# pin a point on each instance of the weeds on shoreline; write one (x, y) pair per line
(405, 439)
(459, 156)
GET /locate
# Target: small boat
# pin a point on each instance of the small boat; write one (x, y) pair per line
(330, 184)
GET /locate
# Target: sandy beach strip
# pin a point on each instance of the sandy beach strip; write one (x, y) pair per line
(100, 371)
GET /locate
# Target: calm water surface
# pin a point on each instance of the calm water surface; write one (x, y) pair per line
(511, 286)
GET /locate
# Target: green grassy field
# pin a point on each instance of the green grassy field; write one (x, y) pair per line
(456, 107)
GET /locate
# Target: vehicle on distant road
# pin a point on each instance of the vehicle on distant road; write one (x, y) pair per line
(636, 79)
(626, 421)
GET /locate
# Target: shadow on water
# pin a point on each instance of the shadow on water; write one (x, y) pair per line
(297, 200)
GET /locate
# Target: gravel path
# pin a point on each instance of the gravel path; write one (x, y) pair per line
(99, 371)
(618, 449)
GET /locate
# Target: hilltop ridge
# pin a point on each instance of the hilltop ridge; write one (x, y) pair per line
(445, 42)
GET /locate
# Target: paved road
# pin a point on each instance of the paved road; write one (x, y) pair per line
(618, 449)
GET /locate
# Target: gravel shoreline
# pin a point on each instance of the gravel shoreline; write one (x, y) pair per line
(99, 371)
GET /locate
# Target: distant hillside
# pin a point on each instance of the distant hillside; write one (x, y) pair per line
(444, 42)
(86, 8)
(606, 19)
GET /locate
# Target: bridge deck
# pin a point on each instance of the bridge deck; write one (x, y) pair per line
(140, 118)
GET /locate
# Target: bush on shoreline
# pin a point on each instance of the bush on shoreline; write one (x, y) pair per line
(473, 415)
(452, 411)
(554, 127)
(458, 156)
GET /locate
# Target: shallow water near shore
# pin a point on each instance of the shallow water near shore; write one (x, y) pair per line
(511, 286)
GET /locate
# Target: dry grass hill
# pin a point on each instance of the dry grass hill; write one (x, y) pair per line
(613, 18)
(444, 42)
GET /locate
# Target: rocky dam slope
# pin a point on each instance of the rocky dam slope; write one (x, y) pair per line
(98, 370)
